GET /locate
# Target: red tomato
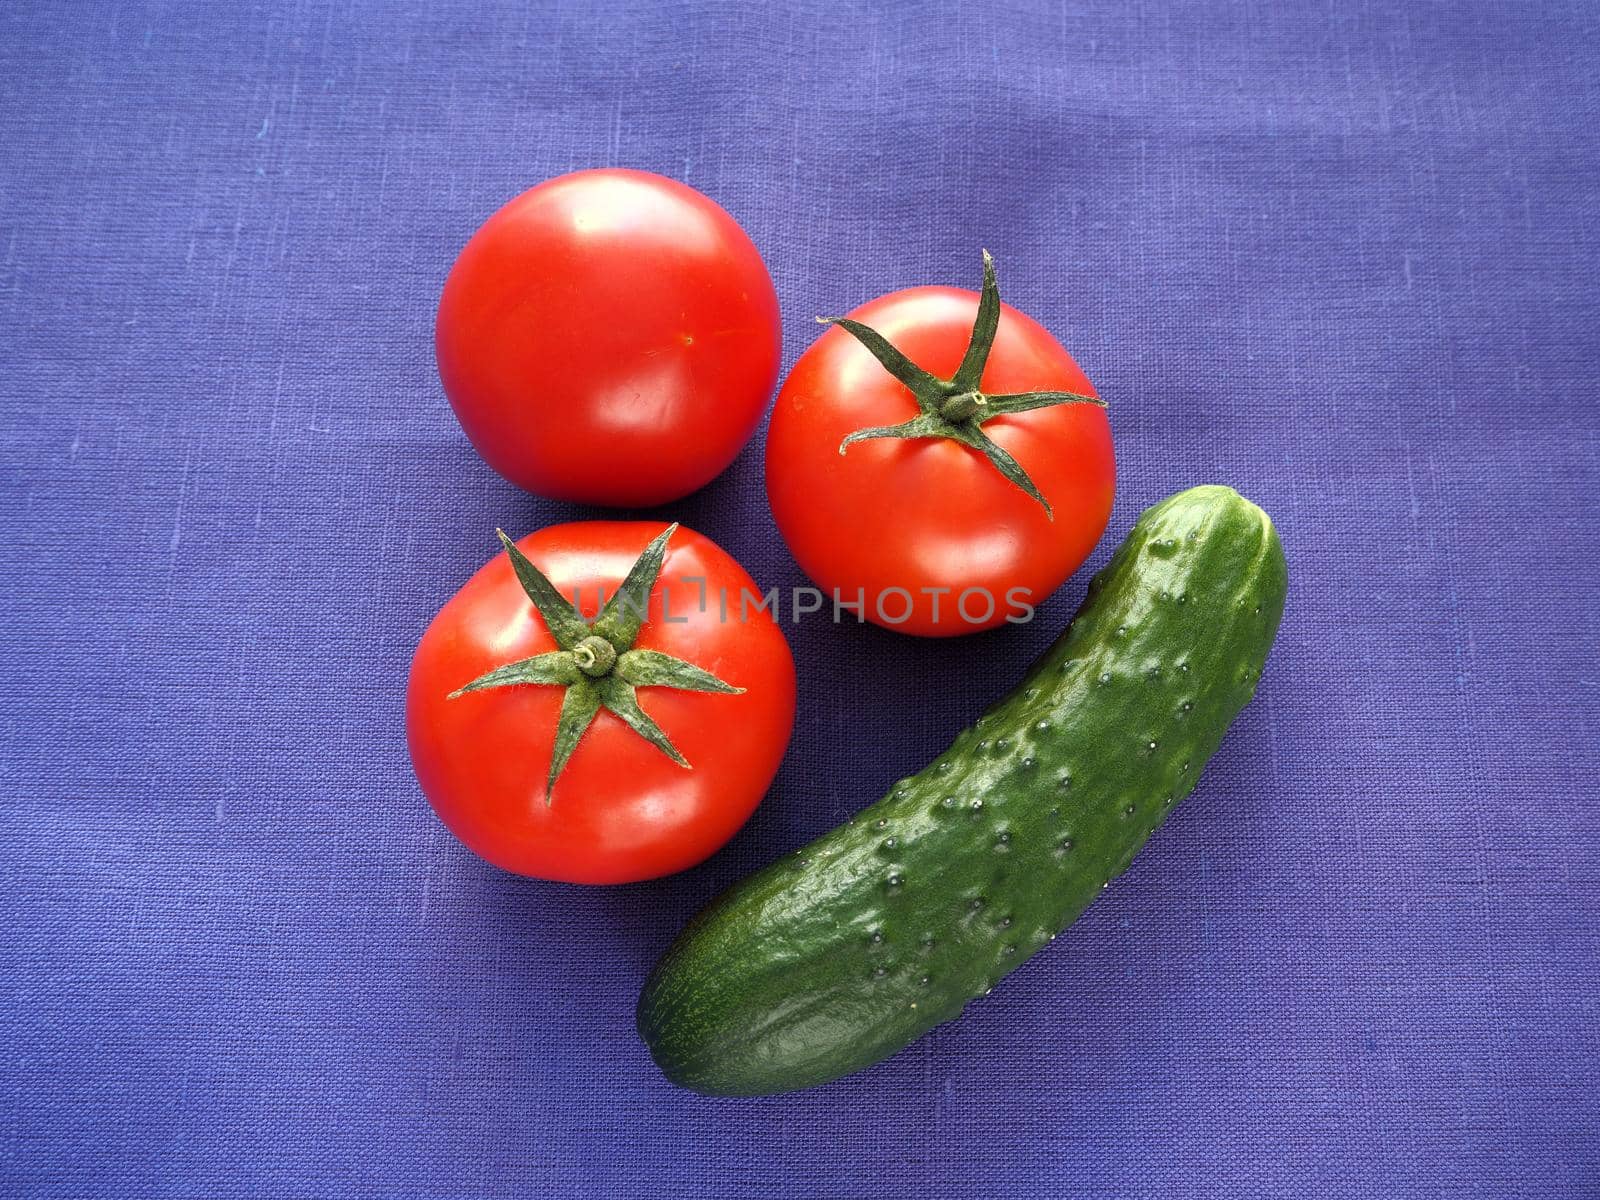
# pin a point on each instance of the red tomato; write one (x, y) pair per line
(621, 809)
(933, 513)
(609, 337)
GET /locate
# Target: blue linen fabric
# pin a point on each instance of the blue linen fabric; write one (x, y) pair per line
(1340, 255)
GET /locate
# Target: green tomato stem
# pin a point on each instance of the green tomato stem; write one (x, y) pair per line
(595, 656)
(964, 407)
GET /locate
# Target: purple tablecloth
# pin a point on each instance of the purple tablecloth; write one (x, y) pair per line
(1339, 255)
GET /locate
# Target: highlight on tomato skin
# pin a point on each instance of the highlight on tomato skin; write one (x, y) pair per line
(946, 471)
(609, 337)
(623, 806)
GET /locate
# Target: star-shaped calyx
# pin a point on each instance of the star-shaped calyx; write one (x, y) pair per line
(597, 663)
(955, 408)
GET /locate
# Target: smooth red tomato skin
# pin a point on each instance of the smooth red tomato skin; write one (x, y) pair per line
(622, 809)
(609, 337)
(892, 513)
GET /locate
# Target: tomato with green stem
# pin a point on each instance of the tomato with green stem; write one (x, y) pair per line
(605, 702)
(938, 457)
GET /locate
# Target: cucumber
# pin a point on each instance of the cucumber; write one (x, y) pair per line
(842, 953)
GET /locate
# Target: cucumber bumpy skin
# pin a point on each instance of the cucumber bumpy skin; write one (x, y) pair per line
(844, 952)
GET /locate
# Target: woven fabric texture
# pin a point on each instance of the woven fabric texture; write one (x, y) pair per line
(1339, 255)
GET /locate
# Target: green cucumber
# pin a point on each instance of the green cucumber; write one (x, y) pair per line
(846, 951)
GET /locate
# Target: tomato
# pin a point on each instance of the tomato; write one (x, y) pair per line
(974, 494)
(608, 742)
(609, 337)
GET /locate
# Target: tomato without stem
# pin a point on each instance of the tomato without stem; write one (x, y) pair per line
(924, 502)
(609, 337)
(486, 742)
